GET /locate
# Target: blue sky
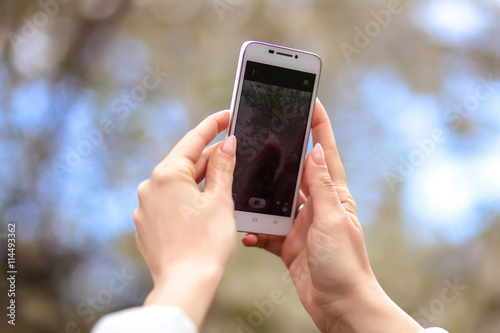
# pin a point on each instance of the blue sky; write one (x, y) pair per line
(448, 196)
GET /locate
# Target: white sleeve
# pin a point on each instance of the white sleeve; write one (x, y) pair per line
(146, 319)
(433, 330)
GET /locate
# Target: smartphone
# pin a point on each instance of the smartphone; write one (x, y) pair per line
(271, 111)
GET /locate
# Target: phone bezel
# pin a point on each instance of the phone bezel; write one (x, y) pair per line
(305, 62)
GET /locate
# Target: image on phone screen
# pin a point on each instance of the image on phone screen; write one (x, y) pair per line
(270, 128)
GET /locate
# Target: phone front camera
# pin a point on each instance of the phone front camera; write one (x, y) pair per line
(296, 56)
(271, 51)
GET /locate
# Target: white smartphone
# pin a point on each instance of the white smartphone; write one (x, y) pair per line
(271, 111)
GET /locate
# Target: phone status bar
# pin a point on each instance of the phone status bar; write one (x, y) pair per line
(279, 76)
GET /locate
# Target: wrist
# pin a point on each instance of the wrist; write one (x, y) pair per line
(368, 309)
(188, 287)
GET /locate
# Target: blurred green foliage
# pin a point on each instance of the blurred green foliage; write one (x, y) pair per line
(81, 125)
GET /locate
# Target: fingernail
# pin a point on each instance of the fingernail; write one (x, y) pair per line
(318, 155)
(229, 146)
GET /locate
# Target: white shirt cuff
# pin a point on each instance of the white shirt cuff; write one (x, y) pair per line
(433, 330)
(150, 319)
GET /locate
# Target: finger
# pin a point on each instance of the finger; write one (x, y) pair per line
(250, 240)
(327, 208)
(201, 165)
(274, 244)
(301, 199)
(220, 168)
(322, 133)
(136, 217)
(142, 190)
(271, 244)
(297, 238)
(192, 144)
(303, 185)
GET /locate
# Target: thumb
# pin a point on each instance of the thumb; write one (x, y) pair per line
(220, 168)
(326, 203)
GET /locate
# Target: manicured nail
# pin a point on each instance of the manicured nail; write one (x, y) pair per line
(229, 146)
(318, 155)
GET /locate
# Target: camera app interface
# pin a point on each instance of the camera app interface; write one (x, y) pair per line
(270, 129)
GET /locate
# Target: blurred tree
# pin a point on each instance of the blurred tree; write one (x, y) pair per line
(72, 96)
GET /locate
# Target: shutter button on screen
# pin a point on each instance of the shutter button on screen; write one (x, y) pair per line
(257, 203)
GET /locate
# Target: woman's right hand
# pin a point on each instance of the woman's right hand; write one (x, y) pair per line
(325, 250)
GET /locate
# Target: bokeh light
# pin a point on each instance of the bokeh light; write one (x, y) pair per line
(414, 111)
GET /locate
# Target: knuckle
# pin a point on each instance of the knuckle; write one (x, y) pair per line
(348, 201)
(136, 216)
(162, 175)
(352, 204)
(142, 189)
(222, 166)
(326, 183)
(188, 134)
(195, 135)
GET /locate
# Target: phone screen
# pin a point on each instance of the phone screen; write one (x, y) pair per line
(270, 129)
